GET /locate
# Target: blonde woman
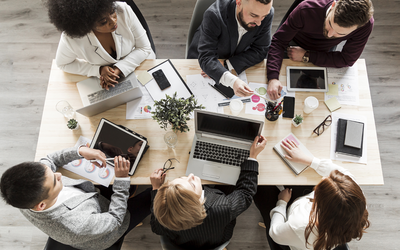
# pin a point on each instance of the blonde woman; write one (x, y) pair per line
(199, 217)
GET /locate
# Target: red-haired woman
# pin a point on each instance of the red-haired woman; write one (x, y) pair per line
(322, 217)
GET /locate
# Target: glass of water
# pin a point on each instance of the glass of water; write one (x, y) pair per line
(65, 108)
(171, 138)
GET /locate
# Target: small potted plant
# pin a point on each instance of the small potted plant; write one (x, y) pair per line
(73, 124)
(297, 120)
(175, 112)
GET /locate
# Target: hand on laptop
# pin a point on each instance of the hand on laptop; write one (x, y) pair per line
(295, 154)
(274, 89)
(157, 178)
(241, 88)
(257, 146)
(93, 154)
(121, 167)
(108, 76)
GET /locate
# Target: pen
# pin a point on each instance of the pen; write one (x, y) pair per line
(221, 104)
(107, 159)
(261, 96)
(277, 106)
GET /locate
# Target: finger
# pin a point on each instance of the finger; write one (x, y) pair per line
(288, 157)
(116, 162)
(96, 164)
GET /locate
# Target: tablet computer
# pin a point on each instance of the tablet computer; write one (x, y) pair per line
(311, 79)
(114, 140)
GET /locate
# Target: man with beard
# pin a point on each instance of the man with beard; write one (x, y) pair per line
(238, 31)
(313, 28)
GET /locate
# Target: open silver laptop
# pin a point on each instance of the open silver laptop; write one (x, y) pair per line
(96, 100)
(221, 143)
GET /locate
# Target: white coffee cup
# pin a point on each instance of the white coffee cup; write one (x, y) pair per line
(310, 103)
(236, 106)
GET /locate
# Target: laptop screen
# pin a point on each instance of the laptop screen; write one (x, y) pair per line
(227, 126)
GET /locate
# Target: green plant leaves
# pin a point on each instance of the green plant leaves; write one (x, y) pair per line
(175, 111)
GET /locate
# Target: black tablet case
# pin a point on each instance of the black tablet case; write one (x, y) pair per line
(340, 136)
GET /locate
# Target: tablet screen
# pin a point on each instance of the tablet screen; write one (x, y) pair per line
(307, 79)
(113, 141)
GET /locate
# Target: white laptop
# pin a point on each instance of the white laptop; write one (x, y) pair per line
(221, 143)
(95, 99)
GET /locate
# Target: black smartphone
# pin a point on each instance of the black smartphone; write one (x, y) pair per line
(288, 107)
(161, 79)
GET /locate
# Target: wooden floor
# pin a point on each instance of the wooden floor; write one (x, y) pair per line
(28, 43)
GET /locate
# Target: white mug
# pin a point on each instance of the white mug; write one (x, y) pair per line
(310, 103)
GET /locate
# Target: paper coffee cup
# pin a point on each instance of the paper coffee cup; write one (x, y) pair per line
(310, 103)
(236, 106)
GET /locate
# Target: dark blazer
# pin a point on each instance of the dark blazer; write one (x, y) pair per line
(217, 37)
(222, 210)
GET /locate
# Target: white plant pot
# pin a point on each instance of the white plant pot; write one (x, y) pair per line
(77, 127)
(296, 125)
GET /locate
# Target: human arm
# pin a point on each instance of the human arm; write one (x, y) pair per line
(141, 49)
(322, 167)
(63, 157)
(246, 186)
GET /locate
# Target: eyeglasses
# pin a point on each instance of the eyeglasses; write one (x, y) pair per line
(321, 128)
(168, 164)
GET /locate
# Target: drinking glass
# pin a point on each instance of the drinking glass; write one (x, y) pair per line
(65, 108)
(171, 138)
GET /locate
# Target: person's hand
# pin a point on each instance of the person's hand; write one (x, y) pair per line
(296, 53)
(108, 77)
(295, 154)
(121, 166)
(241, 88)
(157, 178)
(257, 146)
(274, 89)
(93, 154)
(285, 195)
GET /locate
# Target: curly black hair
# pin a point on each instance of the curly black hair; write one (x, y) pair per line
(77, 17)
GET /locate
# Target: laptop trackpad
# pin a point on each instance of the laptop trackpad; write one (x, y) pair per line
(212, 171)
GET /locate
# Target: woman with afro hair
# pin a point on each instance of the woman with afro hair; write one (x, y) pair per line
(101, 38)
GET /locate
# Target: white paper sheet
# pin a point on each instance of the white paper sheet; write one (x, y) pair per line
(347, 81)
(353, 117)
(204, 93)
(257, 105)
(176, 83)
(141, 107)
(88, 170)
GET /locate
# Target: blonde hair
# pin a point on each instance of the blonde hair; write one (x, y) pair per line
(177, 208)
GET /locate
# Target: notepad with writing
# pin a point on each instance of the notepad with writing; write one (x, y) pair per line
(297, 168)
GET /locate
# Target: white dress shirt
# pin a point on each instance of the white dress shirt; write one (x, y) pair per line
(288, 227)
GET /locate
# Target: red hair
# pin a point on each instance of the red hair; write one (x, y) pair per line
(339, 212)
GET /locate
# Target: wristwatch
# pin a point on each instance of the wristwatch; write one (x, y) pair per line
(306, 57)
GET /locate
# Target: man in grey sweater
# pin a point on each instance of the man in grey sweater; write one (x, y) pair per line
(72, 211)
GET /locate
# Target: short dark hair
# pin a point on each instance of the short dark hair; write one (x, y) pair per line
(353, 12)
(22, 186)
(264, 1)
(76, 17)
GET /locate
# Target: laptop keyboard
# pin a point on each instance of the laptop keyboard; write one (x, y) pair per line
(219, 153)
(104, 94)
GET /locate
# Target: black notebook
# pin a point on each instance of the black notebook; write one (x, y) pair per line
(341, 147)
